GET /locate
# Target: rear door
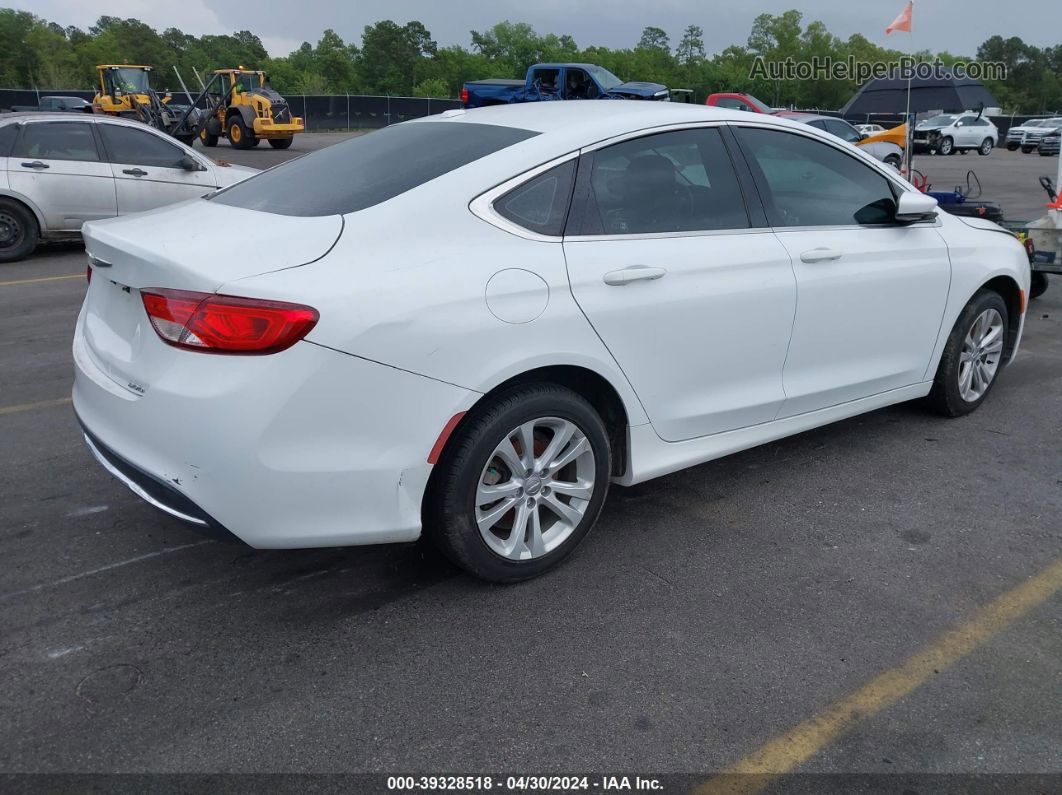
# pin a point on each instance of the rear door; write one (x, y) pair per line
(147, 169)
(871, 292)
(57, 165)
(694, 300)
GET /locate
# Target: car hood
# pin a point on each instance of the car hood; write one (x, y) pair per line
(639, 89)
(229, 174)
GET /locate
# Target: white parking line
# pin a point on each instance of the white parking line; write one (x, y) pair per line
(101, 569)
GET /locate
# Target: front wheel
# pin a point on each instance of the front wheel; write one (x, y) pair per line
(206, 138)
(1026, 150)
(1012, 147)
(986, 147)
(520, 484)
(280, 143)
(894, 161)
(947, 146)
(240, 136)
(972, 356)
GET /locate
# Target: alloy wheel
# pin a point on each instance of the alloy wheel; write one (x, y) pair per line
(535, 488)
(982, 351)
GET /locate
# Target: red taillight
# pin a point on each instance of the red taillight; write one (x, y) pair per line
(464, 95)
(226, 324)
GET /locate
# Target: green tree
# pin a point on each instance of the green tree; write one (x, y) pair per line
(654, 39)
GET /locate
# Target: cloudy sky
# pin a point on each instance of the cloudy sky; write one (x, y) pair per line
(957, 26)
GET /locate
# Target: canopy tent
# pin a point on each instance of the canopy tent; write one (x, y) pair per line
(941, 91)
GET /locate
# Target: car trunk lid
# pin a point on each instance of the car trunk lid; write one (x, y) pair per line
(199, 245)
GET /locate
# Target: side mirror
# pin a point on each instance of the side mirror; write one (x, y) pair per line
(915, 206)
(189, 163)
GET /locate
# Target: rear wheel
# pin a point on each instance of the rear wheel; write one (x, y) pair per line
(206, 138)
(1038, 285)
(893, 160)
(280, 143)
(18, 231)
(520, 484)
(240, 136)
(972, 356)
(986, 147)
(946, 146)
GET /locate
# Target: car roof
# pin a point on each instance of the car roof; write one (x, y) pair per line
(806, 117)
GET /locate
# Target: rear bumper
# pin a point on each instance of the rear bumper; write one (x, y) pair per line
(305, 448)
(267, 128)
(156, 492)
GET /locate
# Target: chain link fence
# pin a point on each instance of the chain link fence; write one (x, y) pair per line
(320, 112)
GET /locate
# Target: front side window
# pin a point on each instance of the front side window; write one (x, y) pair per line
(579, 85)
(810, 183)
(368, 169)
(128, 145)
(540, 204)
(843, 130)
(58, 140)
(679, 181)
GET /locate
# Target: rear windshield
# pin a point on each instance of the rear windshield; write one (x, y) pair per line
(369, 169)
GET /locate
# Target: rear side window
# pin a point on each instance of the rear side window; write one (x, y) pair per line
(58, 140)
(540, 204)
(8, 134)
(369, 169)
(680, 181)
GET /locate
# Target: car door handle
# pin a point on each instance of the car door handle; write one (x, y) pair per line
(136, 172)
(635, 273)
(36, 164)
(820, 255)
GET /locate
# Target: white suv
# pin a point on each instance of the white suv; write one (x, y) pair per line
(950, 133)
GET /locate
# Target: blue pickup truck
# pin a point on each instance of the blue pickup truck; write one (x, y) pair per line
(550, 81)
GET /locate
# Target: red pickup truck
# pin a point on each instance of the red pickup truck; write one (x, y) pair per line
(736, 101)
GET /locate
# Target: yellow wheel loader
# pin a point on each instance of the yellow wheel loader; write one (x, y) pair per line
(125, 90)
(246, 110)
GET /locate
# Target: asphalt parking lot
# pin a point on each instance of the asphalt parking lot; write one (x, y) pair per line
(877, 596)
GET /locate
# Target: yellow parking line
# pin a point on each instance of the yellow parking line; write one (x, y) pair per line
(42, 279)
(757, 770)
(40, 404)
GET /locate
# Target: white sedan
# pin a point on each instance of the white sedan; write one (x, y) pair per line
(59, 170)
(468, 326)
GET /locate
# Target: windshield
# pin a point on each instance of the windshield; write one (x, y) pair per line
(130, 81)
(369, 169)
(247, 82)
(604, 78)
(940, 121)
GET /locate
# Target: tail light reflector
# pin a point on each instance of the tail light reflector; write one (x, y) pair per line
(464, 95)
(226, 324)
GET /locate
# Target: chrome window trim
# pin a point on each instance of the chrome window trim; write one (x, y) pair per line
(483, 205)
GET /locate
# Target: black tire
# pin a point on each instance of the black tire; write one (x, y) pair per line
(187, 140)
(1012, 147)
(893, 160)
(19, 232)
(945, 397)
(1026, 150)
(1038, 284)
(206, 139)
(946, 145)
(986, 147)
(1042, 152)
(280, 143)
(240, 135)
(449, 510)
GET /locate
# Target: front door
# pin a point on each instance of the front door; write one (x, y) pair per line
(871, 292)
(57, 166)
(695, 305)
(147, 169)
